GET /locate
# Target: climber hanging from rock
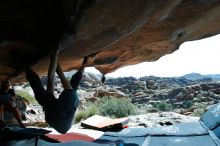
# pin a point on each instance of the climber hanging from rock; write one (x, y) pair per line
(59, 113)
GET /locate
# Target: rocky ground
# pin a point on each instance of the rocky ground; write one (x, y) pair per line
(159, 119)
(181, 95)
(153, 97)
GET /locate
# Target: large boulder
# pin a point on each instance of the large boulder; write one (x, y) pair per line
(114, 33)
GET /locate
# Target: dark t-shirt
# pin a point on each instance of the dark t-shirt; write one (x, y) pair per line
(59, 113)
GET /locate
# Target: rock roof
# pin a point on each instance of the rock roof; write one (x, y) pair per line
(114, 33)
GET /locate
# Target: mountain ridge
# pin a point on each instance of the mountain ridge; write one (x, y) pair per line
(195, 76)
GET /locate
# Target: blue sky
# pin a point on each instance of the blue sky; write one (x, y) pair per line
(201, 56)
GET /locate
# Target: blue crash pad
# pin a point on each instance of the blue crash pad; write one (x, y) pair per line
(185, 129)
(205, 140)
(211, 118)
(191, 128)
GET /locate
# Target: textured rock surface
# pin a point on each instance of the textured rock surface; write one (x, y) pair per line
(116, 33)
(180, 95)
(159, 119)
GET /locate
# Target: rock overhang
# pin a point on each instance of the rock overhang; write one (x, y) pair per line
(114, 33)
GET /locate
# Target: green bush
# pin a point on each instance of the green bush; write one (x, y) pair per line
(80, 115)
(114, 107)
(163, 106)
(27, 96)
(107, 106)
(187, 104)
(198, 112)
(86, 113)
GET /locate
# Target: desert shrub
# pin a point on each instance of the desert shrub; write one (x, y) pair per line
(201, 109)
(80, 115)
(27, 96)
(107, 106)
(198, 112)
(187, 104)
(163, 106)
(86, 113)
(114, 107)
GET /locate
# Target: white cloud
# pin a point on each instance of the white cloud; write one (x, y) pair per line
(201, 56)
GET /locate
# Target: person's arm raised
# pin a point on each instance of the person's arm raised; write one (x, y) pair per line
(65, 83)
(84, 63)
(51, 71)
(76, 78)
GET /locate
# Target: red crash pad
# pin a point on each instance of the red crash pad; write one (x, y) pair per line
(70, 137)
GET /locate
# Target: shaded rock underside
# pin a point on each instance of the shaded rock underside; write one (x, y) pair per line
(114, 33)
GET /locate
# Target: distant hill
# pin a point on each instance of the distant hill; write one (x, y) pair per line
(197, 76)
(194, 76)
(69, 74)
(190, 76)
